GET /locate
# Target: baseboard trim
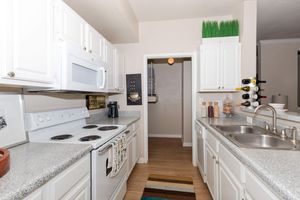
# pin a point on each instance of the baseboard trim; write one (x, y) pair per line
(141, 161)
(163, 136)
(187, 144)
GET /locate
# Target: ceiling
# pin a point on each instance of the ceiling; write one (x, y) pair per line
(114, 19)
(278, 19)
(117, 20)
(156, 10)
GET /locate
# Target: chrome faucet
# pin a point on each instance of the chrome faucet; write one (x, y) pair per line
(274, 113)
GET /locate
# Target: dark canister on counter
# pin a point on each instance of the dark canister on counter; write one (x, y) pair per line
(113, 109)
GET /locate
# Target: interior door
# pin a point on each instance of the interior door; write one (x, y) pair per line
(31, 53)
(230, 65)
(209, 66)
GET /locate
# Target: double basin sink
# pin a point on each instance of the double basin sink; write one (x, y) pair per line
(248, 136)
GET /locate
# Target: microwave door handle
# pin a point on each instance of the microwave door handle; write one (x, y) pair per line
(103, 78)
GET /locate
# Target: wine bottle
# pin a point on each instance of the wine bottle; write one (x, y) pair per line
(248, 103)
(254, 81)
(253, 96)
(245, 88)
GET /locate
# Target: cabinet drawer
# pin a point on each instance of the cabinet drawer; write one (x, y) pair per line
(256, 189)
(230, 162)
(212, 141)
(69, 178)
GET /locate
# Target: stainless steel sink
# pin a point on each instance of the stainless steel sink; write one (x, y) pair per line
(247, 136)
(261, 141)
(241, 129)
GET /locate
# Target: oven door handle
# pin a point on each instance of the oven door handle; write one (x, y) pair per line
(104, 150)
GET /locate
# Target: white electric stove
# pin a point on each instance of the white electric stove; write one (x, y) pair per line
(69, 126)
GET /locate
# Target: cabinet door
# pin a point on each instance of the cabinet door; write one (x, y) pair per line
(135, 149)
(211, 171)
(30, 46)
(110, 67)
(255, 189)
(118, 71)
(81, 191)
(129, 156)
(94, 42)
(74, 28)
(230, 65)
(200, 151)
(209, 67)
(228, 188)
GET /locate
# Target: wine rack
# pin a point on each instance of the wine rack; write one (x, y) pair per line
(251, 92)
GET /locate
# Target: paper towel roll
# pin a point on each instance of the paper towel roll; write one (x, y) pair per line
(278, 98)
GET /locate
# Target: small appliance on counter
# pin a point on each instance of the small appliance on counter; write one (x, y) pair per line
(113, 109)
(4, 162)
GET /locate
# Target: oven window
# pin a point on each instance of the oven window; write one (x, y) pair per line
(83, 75)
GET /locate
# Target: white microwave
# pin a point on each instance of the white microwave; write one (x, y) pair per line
(79, 72)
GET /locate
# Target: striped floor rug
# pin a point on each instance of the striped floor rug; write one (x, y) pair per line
(161, 187)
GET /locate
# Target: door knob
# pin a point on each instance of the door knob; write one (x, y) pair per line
(11, 74)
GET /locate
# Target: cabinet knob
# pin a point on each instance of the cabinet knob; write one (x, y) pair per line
(223, 87)
(90, 51)
(214, 157)
(11, 74)
(217, 162)
(219, 87)
(84, 48)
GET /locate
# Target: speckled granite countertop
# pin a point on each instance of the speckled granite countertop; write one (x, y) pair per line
(121, 120)
(33, 164)
(279, 169)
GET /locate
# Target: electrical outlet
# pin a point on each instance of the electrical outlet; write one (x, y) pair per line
(249, 120)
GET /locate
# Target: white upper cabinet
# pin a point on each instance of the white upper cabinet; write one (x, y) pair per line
(110, 82)
(220, 66)
(74, 28)
(40, 39)
(119, 71)
(210, 67)
(29, 49)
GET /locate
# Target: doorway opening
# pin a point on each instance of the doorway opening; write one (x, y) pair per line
(169, 101)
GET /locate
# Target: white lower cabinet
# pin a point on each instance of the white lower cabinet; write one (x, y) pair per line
(255, 189)
(211, 173)
(72, 184)
(133, 149)
(227, 178)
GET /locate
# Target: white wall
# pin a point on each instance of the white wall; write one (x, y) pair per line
(279, 67)
(176, 36)
(165, 116)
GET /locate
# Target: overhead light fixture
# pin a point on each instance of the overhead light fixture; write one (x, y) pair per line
(171, 61)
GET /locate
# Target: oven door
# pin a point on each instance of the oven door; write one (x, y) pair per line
(79, 72)
(104, 186)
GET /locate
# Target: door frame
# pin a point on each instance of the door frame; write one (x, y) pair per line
(193, 56)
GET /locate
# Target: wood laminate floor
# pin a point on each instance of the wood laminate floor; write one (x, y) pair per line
(166, 157)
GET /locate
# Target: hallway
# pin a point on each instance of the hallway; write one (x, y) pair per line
(166, 157)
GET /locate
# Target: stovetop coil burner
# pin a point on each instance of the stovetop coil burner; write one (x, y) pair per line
(90, 126)
(61, 137)
(107, 128)
(89, 138)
